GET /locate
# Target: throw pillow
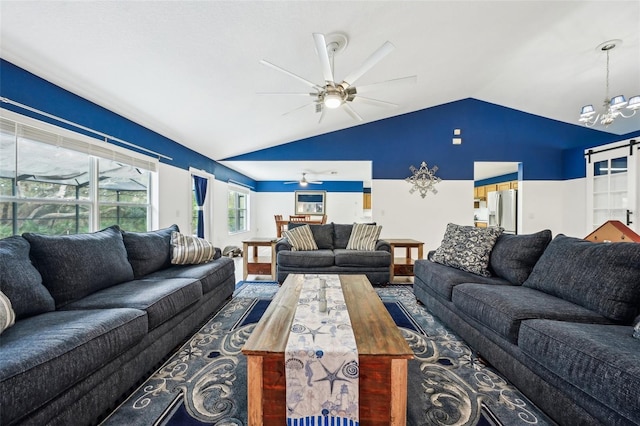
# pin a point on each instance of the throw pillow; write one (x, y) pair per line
(74, 266)
(514, 256)
(364, 237)
(189, 250)
(20, 280)
(301, 238)
(467, 248)
(322, 234)
(636, 331)
(7, 316)
(603, 277)
(149, 251)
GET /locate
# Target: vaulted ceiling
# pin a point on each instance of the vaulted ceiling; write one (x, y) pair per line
(191, 70)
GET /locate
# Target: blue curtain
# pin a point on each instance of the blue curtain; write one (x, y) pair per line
(200, 185)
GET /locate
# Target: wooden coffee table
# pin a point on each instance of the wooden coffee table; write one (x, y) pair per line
(382, 351)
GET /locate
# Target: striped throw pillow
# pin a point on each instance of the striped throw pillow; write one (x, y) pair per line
(7, 315)
(188, 250)
(364, 237)
(301, 238)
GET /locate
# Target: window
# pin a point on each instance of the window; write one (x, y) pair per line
(52, 184)
(237, 206)
(123, 195)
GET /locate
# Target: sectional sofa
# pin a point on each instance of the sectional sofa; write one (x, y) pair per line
(94, 314)
(331, 256)
(555, 316)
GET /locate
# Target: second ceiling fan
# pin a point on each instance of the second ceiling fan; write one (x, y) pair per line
(332, 95)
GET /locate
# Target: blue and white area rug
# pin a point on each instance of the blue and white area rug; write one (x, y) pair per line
(205, 382)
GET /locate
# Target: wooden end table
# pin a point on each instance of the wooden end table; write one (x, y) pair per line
(403, 266)
(258, 265)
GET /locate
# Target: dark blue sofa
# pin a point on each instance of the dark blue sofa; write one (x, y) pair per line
(332, 256)
(556, 318)
(94, 314)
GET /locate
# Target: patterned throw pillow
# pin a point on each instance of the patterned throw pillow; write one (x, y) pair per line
(188, 250)
(467, 248)
(364, 237)
(636, 331)
(7, 316)
(301, 238)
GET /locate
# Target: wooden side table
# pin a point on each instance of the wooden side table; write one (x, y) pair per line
(403, 266)
(258, 265)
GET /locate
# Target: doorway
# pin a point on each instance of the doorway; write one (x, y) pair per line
(495, 194)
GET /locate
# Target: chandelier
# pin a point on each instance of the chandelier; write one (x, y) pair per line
(613, 107)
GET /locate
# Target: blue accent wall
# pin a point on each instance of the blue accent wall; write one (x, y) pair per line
(548, 149)
(497, 179)
(26, 88)
(330, 186)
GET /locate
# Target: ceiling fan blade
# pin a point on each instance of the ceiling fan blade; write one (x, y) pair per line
(315, 182)
(289, 73)
(287, 93)
(299, 108)
(374, 101)
(376, 57)
(351, 112)
(413, 79)
(323, 54)
(322, 112)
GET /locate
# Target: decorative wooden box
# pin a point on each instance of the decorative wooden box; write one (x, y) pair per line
(613, 231)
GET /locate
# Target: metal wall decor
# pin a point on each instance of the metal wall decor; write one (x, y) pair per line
(423, 179)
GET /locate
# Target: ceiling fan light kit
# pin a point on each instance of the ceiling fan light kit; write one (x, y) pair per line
(613, 107)
(332, 95)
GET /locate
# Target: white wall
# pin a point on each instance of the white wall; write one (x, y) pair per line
(341, 207)
(174, 197)
(404, 215)
(556, 205)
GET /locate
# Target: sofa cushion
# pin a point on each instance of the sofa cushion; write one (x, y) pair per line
(604, 277)
(364, 237)
(503, 308)
(362, 258)
(301, 238)
(190, 250)
(7, 315)
(20, 281)
(322, 234)
(74, 266)
(160, 299)
(211, 275)
(442, 279)
(341, 235)
(514, 256)
(600, 360)
(149, 251)
(306, 259)
(47, 354)
(467, 248)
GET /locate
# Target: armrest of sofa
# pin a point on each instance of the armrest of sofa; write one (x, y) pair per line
(283, 244)
(383, 245)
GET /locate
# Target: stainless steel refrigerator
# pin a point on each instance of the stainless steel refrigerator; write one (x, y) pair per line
(503, 206)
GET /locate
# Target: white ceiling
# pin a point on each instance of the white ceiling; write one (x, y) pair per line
(190, 69)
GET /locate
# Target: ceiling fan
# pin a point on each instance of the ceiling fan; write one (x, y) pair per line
(332, 95)
(304, 181)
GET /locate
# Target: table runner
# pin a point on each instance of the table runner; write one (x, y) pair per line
(321, 358)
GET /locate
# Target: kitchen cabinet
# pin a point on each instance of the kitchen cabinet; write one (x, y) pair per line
(480, 192)
(503, 186)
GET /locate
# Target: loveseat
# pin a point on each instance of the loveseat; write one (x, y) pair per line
(554, 316)
(333, 254)
(94, 314)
